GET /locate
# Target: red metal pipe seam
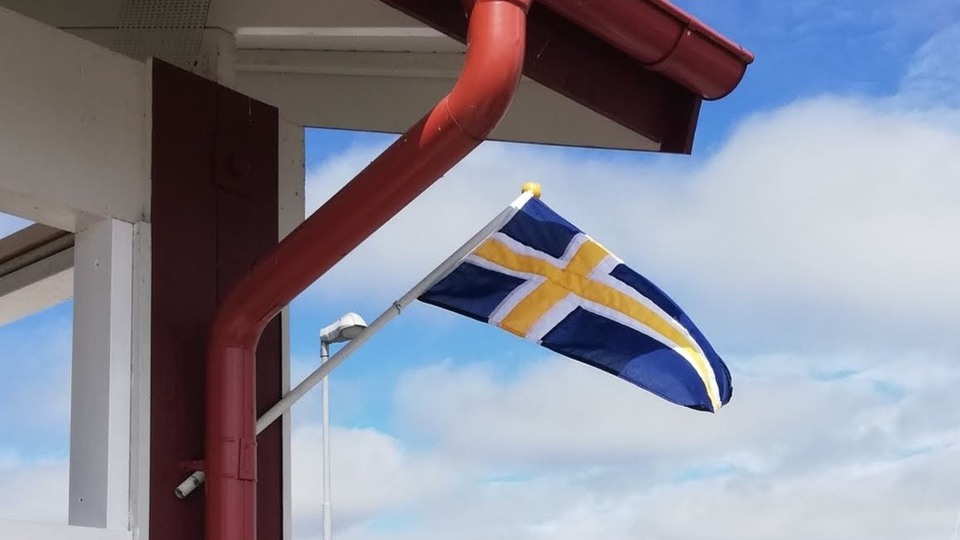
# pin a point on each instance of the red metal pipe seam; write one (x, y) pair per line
(457, 125)
(665, 39)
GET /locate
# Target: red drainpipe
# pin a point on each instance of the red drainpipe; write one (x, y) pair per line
(457, 125)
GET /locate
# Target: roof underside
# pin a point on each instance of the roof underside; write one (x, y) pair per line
(364, 64)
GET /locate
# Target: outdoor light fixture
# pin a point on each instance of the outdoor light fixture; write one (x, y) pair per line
(343, 329)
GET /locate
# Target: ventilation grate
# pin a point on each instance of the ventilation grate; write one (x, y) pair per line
(167, 29)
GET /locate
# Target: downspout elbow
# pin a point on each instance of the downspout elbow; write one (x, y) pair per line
(492, 69)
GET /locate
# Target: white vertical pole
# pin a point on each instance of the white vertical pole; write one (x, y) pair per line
(100, 386)
(219, 50)
(140, 384)
(433, 277)
(327, 469)
(292, 180)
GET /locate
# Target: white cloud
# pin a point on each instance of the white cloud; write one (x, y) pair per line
(563, 451)
(884, 500)
(35, 355)
(934, 73)
(372, 473)
(33, 490)
(784, 414)
(35, 417)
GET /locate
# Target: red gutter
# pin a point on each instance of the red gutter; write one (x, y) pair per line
(457, 125)
(665, 39)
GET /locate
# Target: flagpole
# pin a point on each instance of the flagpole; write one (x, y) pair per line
(530, 191)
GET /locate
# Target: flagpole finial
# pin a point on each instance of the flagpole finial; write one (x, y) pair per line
(532, 187)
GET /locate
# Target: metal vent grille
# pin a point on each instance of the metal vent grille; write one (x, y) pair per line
(167, 29)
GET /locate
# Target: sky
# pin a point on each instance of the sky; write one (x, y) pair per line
(810, 237)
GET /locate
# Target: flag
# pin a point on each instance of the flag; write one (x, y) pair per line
(541, 278)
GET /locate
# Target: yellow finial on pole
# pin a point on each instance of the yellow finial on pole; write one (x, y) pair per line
(532, 187)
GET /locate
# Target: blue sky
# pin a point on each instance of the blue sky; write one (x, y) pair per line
(810, 236)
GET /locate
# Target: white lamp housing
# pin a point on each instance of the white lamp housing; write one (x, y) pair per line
(343, 329)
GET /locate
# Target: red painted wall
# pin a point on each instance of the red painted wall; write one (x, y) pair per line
(214, 212)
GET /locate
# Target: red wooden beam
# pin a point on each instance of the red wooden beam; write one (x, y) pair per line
(214, 213)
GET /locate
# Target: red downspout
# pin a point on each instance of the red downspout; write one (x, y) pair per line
(457, 125)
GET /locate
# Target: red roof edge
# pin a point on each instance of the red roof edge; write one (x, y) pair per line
(644, 64)
(665, 39)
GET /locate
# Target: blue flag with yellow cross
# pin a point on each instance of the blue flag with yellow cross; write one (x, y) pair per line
(541, 278)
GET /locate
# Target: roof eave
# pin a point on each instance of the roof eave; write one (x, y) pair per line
(568, 58)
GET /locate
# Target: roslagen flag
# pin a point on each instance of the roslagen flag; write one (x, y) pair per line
(541, 278)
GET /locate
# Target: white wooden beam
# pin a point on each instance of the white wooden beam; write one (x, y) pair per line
(218, 50)
(26, 241)
(403, 65)
(36, 271)
(291, 198)
(73, 143)
(362, 38)
(140, 383)
(101, 377)
(36, 287)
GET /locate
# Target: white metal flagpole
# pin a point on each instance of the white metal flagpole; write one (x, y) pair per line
(432, 278)
(530, 190)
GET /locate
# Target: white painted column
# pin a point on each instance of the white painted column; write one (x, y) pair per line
(218, 52)
(140, 381)
(100, 401)
(292, 182)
